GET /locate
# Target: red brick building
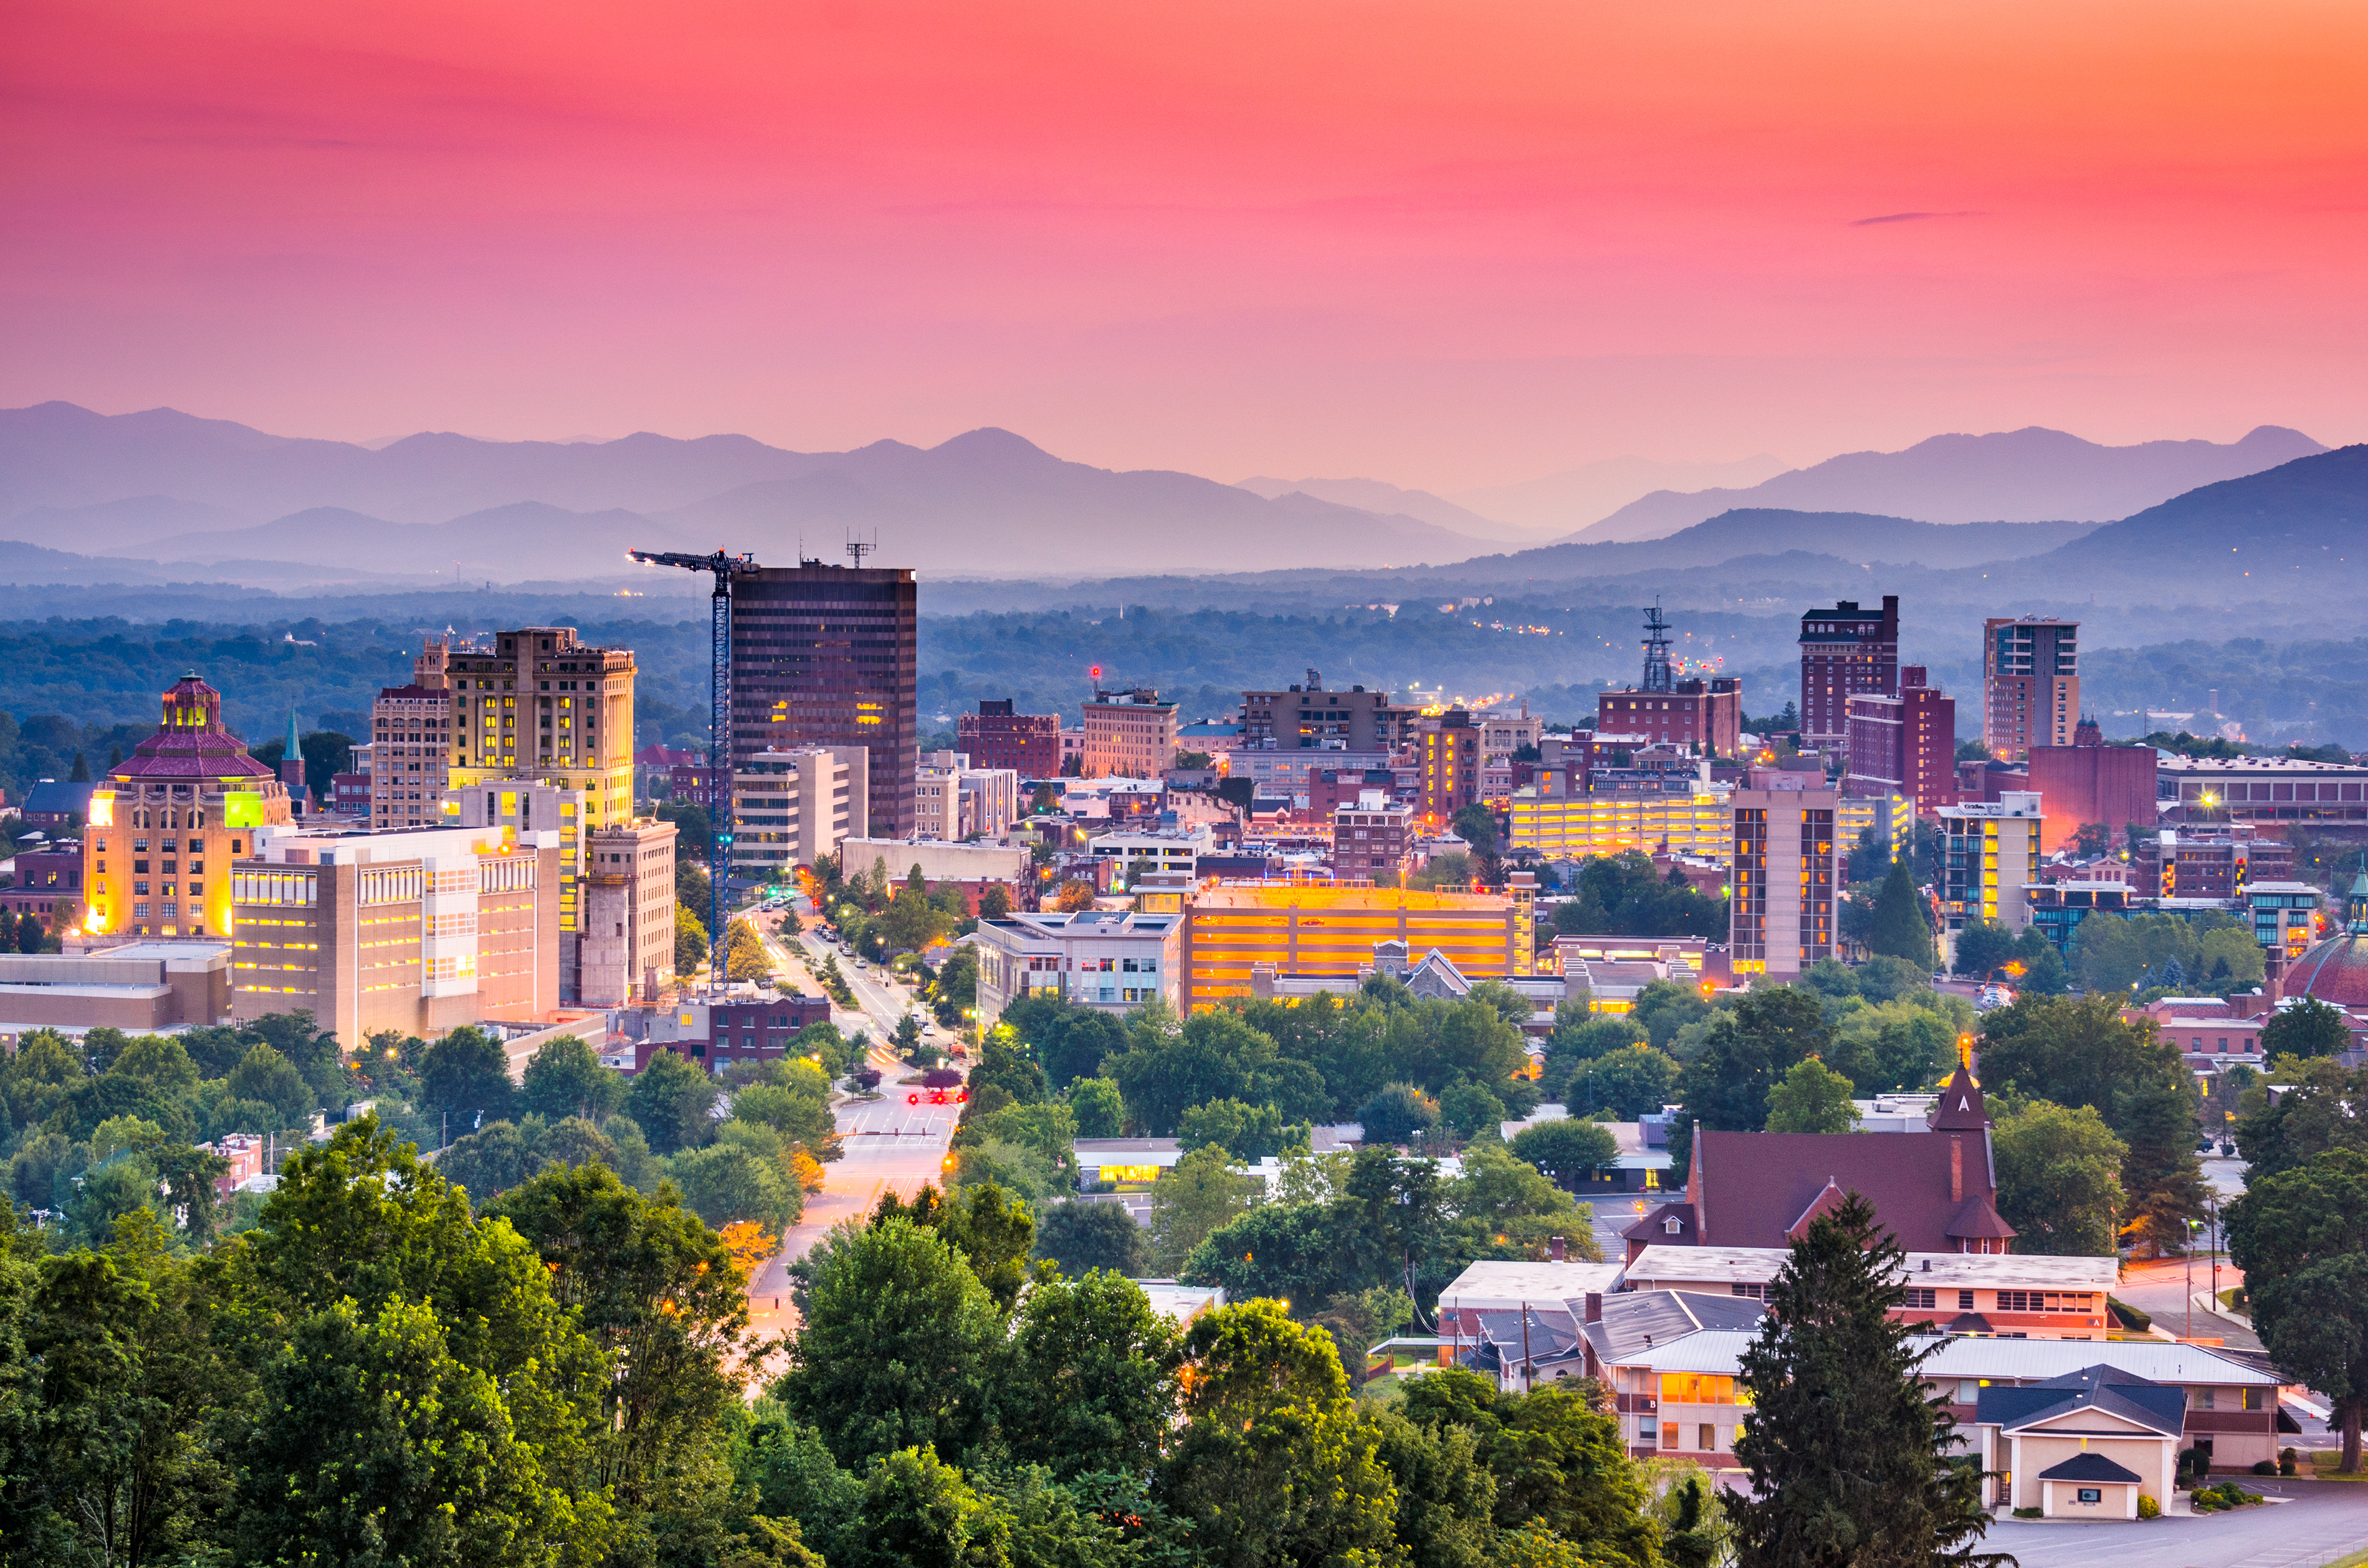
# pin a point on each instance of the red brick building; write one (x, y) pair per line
(1692, 712)
(1905, 744)
(1846, 652)
(1028, 744)
(1450, 757)
(2090, 782)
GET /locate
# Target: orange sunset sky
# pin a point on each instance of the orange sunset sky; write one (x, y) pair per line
(1443, 245)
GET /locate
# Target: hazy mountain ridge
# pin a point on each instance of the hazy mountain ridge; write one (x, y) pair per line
(1381, 496)
(2027, 475)
(1576, 497)
(986, 501)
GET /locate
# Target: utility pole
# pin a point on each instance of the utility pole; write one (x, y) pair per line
(719, 730)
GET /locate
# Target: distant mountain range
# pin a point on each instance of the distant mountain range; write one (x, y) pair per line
(1376, 496)
(167, 486)
(2015, 476)
(1857, 537)
(167, 497)
(1559, 502)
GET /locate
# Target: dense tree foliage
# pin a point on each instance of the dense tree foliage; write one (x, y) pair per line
(2301, 1236)
(2059, 1177)
(2080, 1052)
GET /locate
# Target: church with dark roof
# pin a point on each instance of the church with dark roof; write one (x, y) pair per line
(1935, 1191)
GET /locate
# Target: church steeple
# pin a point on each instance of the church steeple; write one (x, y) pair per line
(1961, 1106)
(2355, 907)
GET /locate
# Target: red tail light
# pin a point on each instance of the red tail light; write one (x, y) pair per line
(912, 1100)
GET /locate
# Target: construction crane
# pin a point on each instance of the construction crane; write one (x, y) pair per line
(719, 733)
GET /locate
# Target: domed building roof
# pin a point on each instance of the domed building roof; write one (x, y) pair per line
(2335, 970)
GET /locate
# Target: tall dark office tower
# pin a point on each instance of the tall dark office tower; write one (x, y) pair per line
(1846, 652)
(824, 656)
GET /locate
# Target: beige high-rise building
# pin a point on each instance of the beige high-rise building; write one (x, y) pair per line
(628, 947)
(1130, 733)
(791, 808)
(419, 930)
(409, 756)
(535, 707)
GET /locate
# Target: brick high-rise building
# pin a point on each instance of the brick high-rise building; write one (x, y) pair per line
(532, 708)
(1845, 651)
(1784, 914)
(2031, 684)
(1692, 712)
(1028, 743)
(410, 751)
(824, 656)
(1708, 714)
(1313, 718)
(1905, 744)
(1448, 758)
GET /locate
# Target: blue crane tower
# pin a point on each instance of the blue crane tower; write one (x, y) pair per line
(719, 732)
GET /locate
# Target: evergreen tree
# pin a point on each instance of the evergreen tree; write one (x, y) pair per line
(81, 772)
(1848, 1451)
(1900, 929)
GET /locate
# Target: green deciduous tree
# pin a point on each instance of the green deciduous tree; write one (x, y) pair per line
(1558, 1464)
(2327, 1108)
(466, 1075)
(1811, 1098)
(1089, 1379)
(1745, 1053)
(1080, 1237)
(1567, 1151)
(655, 1288)
(669, 1100)
(2309, 1028)
(1398, 1113)
(564, 1078)
(2059, 1178)
(1848, 1449)
(1194, 1197)
(2300, 1237)
(1100, 1108)
(1272, 1464)
(895, 1344)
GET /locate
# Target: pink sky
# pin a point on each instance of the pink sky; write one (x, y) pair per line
(1444, 245)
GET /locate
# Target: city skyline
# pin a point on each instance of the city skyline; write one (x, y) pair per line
(1435, 254)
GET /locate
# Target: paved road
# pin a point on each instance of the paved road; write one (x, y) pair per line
(2326, 1520)
(2160, 1290)
(888, 1145)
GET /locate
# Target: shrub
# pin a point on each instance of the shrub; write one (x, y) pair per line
(2131, 1319)
(2029, 1513)
(2147, 1508)
(2285, 1462)
(2266, 1467)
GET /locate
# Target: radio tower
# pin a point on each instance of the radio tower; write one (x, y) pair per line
(1656, 651)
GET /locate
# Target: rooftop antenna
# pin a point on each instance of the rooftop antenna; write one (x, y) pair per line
(856, 548)
(1656, 650)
